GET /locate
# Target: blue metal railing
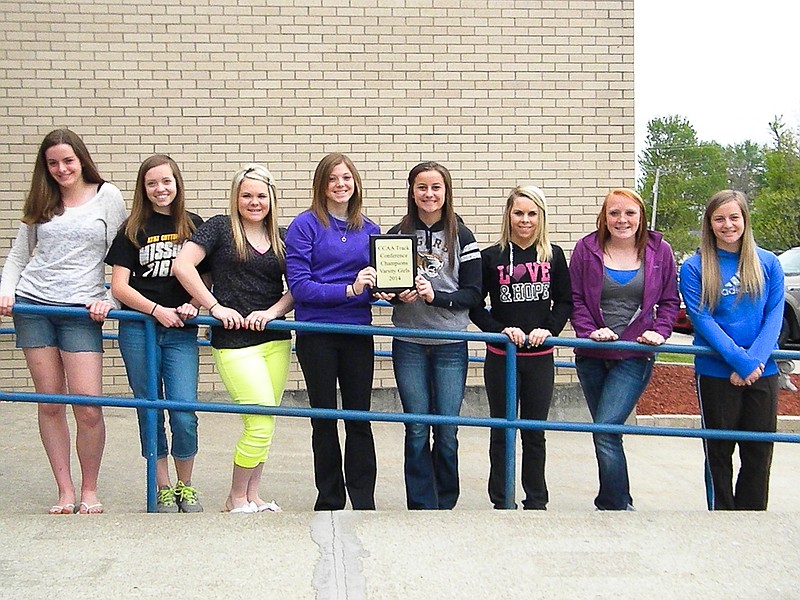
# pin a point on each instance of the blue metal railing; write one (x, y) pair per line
(511, 423)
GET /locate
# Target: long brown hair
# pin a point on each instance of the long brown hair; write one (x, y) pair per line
(44, 198)
(751, 277)
(603, 234)
(142, 208)
(449, 219)
(319, 201)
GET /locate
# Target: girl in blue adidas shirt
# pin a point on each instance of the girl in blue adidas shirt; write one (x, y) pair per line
(734, 296)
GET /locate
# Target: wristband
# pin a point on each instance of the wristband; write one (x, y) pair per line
(155, 306)
(210, 308)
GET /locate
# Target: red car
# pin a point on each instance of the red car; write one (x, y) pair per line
(682, 323)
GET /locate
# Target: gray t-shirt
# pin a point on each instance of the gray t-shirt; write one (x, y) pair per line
(61, 261)
(621, 302)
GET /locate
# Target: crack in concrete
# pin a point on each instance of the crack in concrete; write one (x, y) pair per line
(338, 575)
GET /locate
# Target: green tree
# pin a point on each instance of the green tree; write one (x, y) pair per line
(776, 206)
(746, 167)
(689, 172)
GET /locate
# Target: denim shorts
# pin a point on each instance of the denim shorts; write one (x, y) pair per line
(69, 334)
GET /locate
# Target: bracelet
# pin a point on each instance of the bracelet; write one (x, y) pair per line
(155, 306)
(210, 308)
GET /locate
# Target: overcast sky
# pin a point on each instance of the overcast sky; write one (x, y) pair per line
(729, 67)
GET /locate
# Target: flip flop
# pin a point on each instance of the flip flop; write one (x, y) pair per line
(90, 509)
(268, 507)
(57, 509)
(246, 509)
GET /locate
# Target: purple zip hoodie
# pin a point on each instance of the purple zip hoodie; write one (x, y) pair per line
(660, 300)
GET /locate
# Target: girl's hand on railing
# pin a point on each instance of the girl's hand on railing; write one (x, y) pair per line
(603, 335)
(6, 304)
(651, 337)
(538, 336)
(516, 335)
(99, 309)
(258, 319)
(187, 311)
(167, 317)
(424, 288)
(230, 318)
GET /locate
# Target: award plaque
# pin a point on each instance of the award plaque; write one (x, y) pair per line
(394, 257)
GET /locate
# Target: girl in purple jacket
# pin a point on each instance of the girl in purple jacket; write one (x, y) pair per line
(624, 287)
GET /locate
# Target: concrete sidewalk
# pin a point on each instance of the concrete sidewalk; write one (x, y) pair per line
(671, 547)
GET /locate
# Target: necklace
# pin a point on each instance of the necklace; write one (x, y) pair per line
(344, 231)
(259, 242)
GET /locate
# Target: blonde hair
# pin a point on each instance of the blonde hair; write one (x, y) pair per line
(751, 277)
(541, 240)
(257, 173)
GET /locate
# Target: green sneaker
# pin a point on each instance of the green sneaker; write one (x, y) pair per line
(165, 500)
(186, 497)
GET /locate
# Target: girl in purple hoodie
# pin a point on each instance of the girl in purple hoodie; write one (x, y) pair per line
(624, 287)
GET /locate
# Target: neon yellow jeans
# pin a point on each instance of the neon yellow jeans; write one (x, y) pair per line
(254, 375)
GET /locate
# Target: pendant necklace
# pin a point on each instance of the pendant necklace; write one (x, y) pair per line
(344, 233)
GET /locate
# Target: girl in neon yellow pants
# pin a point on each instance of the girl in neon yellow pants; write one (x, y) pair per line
(245, 253)
(255, 375)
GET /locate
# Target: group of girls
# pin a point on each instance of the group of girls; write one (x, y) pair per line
(166, 262)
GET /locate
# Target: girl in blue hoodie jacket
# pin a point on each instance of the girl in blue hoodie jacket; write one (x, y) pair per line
(734, 296)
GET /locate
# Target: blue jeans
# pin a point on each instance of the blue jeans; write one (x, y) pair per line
(430, 380)
(177, 364)
(68, 334)
(611, 389)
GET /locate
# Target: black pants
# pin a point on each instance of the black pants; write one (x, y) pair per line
(326, 358)
(744, 408)
(535, 393)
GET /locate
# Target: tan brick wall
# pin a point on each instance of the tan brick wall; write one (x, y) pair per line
(500, 91)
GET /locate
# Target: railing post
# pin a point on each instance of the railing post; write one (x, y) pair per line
(151, 414)
(511, 415)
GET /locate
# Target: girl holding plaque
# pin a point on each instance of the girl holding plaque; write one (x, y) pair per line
(327, 267)
(431, 373)
(527, 281)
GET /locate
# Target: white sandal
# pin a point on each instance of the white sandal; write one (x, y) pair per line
(267, 507)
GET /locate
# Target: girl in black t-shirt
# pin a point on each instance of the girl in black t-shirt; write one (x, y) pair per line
(142, 280)
(246, 257)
